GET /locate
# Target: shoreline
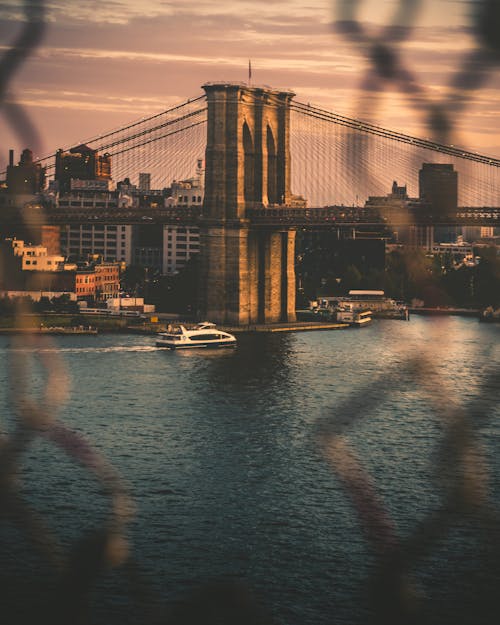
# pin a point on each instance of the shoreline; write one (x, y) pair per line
(457, 312)
(147, 329)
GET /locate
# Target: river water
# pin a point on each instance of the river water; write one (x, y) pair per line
(272, 482)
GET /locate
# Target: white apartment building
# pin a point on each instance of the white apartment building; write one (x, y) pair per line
(112, 242)
(36, 258)
(179, 244)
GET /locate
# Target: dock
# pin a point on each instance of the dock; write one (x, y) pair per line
(48, 330)
(297, 326)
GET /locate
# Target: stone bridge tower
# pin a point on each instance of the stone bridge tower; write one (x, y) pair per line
(248, 273)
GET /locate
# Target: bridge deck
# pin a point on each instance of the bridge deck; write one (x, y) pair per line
(280, 216)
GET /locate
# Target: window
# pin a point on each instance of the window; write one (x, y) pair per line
(28, 262)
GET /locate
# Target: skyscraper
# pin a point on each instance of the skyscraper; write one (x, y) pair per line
(144, 182)
(438, 187)
(81, 163)
(26, 178)
(438, 190)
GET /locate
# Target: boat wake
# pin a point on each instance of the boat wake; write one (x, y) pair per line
(83, 350)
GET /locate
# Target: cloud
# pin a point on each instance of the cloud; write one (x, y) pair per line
(109, 62)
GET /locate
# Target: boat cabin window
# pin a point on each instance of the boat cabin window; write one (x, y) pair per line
(206, 337)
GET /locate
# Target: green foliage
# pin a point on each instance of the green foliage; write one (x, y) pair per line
(410, 273)
(178, 293)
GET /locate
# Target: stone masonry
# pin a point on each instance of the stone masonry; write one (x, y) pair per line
(248, 274)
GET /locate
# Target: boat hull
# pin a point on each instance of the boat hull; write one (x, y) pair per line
(205, 335)
(195, 344)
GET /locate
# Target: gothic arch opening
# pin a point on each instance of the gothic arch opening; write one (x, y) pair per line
(272, 172)
(249, 165)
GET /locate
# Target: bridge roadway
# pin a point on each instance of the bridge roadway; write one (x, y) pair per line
(277, 216)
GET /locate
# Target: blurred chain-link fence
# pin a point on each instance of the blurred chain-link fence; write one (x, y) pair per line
(461, 468)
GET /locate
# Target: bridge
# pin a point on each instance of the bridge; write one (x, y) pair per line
(319, 218)
(249, 215)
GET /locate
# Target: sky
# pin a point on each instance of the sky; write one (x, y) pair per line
(103, 64)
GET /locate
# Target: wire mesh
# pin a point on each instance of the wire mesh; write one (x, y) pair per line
(359, 170)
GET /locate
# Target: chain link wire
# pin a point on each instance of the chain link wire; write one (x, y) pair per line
(461, 468)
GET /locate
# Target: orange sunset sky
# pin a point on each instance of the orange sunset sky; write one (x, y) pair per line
(102, 64)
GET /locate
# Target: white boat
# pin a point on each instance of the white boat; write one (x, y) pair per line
(362, 318)
(204, 334)
(355, 318)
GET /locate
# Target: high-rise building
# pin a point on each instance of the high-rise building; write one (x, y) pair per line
(438, 192)
(144, 182)
(180, 243)
(27, 177)
(111, 242)
(83, 164)
(438, 187)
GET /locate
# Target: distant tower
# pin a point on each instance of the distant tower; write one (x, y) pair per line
(248, 275)
(200, 172)
(438, 189)
(144, 182)
(26, 178)
(81, 163)
(438, 186)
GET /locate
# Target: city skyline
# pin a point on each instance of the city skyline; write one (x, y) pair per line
(101, 66)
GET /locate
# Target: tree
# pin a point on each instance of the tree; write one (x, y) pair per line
(351, 278)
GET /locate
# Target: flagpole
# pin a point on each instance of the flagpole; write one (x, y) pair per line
(249, 72)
